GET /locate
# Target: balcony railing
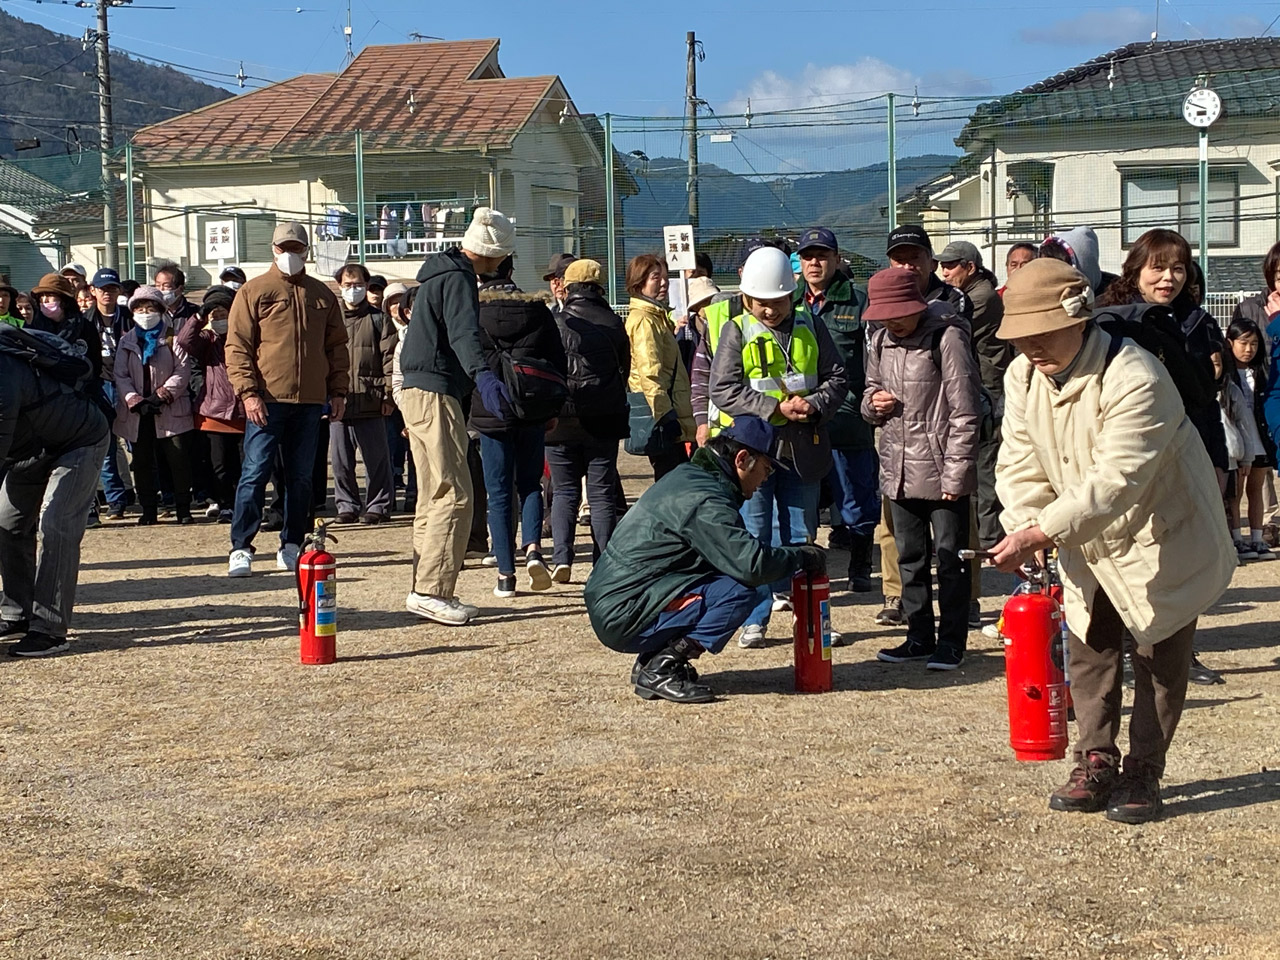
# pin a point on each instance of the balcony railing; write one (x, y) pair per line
(414, 249)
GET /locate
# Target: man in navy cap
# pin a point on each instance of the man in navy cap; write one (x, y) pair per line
(681, 573)
(112, 321)
(853, 481)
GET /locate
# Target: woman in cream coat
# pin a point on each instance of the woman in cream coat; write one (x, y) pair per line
(1099, 460)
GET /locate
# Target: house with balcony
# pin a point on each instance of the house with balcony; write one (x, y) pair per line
(383, 161)
(1105, 144)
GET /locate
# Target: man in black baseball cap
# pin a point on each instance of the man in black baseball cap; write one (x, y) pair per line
(853, 480)
(554, 276)
(683, 574)
(373, 289)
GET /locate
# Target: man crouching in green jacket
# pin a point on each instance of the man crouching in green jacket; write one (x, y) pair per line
(681, 573)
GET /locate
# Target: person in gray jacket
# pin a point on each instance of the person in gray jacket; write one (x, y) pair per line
(52, 441)
(922, 391)
(777, 361)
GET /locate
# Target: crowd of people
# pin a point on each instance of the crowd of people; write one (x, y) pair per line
(1107, 418)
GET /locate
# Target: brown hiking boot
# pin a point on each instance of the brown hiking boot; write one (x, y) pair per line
(1088, 788)
(1135, 799)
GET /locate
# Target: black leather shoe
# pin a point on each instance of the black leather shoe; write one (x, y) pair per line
(1135, 799)
(663, 677)
(689, 672)
(1203, 675)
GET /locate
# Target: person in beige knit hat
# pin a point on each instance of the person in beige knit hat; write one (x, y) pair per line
(1099, 460)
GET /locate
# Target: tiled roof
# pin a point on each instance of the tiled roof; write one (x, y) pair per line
(24, 190)
(1142, 82)
(241, 129)
(460, 99)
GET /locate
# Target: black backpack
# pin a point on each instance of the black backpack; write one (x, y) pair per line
(594, 381)
(1156, 330)
(538, 390)
(53, 359)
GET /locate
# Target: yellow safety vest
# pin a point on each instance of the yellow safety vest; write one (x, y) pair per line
(773, 371)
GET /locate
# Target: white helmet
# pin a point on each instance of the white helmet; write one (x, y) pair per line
(767, 275)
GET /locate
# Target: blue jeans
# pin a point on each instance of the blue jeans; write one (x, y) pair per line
(113, 485)
(294, 430)
(515, 459)
(795, 520)
(854, 482)
(720, 607)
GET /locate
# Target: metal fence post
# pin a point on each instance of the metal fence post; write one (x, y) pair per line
(131, 224)
(360, 238)
(609, 225)
(893, 168)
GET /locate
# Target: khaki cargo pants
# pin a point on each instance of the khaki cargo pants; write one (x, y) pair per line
(438, 442)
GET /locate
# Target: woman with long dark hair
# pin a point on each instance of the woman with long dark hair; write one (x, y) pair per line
(1160, 271)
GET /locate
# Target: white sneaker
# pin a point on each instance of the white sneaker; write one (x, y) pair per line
(539, 575)
(449, 612)
(489, 561)
(781, 603)
(562, 573)
(837, 639)
(287, 557)
(752, 636)
(240, 564)
(212, 511)
(991, 631)
(471, 611)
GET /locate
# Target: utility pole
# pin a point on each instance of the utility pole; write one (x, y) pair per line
(691, 126)
(106, 141)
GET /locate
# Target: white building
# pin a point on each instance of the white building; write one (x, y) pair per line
(443, 130)
(1105, 144)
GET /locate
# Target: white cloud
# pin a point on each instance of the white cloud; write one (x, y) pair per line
(1108, 28)
(820, 86)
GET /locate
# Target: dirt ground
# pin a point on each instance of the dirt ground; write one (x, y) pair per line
(180, 786)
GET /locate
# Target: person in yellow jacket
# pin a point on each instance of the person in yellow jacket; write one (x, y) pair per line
(777, 361)
(656, 368)
(1098, 458)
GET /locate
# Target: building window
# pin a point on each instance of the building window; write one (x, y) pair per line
(1171, 199)
(1029, 187)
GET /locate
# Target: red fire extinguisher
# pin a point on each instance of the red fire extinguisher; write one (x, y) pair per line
(811, 601)
(1034, 653)
(318, 599)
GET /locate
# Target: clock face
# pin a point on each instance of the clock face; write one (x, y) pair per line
(1202, 107)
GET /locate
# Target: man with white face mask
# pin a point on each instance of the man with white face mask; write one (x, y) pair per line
(371, 342)
(287, 356)
(172, 284)
(233, 278)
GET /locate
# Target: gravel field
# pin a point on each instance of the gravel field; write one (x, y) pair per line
(180, 786)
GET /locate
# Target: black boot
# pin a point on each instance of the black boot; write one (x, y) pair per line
(664, 676)
(860, 563)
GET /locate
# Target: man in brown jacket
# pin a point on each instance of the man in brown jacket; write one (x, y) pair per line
(286, 357)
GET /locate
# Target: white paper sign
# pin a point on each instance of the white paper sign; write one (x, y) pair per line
(220, 240)
(678, 244)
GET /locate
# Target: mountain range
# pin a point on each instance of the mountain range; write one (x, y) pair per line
(49, 92)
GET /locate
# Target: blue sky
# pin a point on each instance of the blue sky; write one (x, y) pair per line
(629, 58)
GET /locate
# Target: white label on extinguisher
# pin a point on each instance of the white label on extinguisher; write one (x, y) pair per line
(326, 608)
(825, 613)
